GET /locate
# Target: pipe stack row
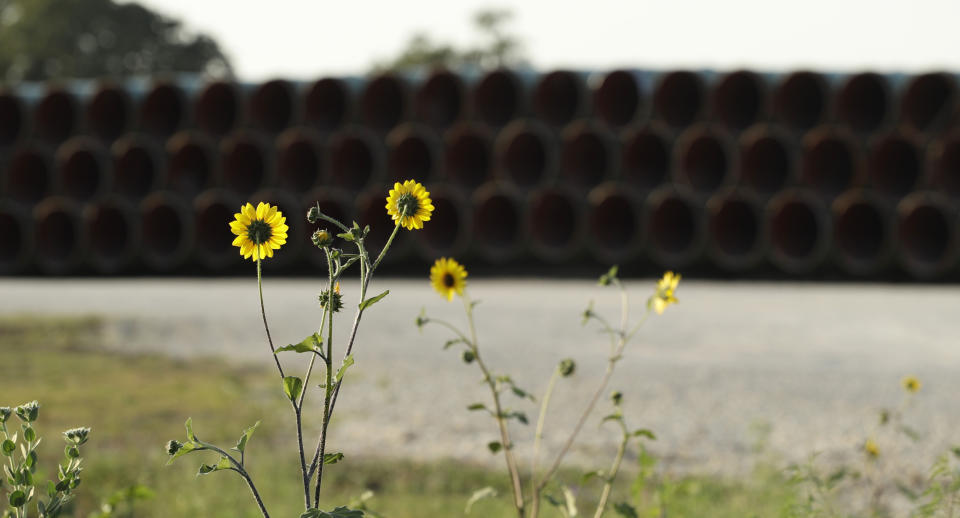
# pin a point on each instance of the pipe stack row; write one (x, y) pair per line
(728, 174)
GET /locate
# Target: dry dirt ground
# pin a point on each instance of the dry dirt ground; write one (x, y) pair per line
(814, 362)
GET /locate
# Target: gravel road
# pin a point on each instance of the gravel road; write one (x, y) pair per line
(815, 362)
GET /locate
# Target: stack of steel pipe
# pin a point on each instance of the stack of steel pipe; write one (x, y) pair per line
(724, 174)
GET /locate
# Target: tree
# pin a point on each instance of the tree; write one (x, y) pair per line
(50, 39)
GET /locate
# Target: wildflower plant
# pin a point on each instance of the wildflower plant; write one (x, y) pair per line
(449, 279)
(21, 462)
(261, 231)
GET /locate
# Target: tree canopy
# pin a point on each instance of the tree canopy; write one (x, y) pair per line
(50, 39)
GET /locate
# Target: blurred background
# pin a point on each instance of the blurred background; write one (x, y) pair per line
(799, 164)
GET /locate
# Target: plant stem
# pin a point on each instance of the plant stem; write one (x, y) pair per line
(538, 435)
(608, 485)
(243, 473)
(263, 313)
(328, 390)
(498, 414)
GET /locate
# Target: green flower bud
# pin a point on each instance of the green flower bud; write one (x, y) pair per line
(567, 367)
(337, 298)
(5, 413)
(28, 412)
(322, 238)
(77, 436)
(616, 396)
(469, 356)
(173, 447)
(313, 214)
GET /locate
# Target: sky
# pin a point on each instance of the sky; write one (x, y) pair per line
(306, 39)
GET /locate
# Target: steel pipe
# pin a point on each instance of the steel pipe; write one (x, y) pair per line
(739, 99)
(862, 233)
(111, 231)
(587, 154)
(525, 154)
(82, 169)
(614, 231)
(560, 97)
(190, 163)
(895, 164)
(137, 167)
(12, 118)
(943, 165)
(798, 230)
(297, 236)
(163, 110)
(244, 162)
(55, 116)
(929, 101)
(673, 224)
(736, 241)
(554, 224)
(328, 104)
(216, 110)
(413, 151)
(497, 222)
(646, 156)
(468, 155)
(28, 177)
(56, 236)
(213, 210)
(439, 100)
(926, 234)
(678, 98)
(800, 100)
(300, 162)
(16, 227)
(830, 161)
(166, 230)
(356, 158)
(499, 97)
(863, 102)
(448, 232)
(620, 97)
(272, 106)
(767, 157)
(336, 203)
(108, 113)
(384, 102)
(705, 159)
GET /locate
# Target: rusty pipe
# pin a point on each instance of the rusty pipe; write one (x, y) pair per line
(735, 235)
(82, 169)
(57, 236)
(28, 177)
(895, 164)
(55, 116)
(767, 157)
(620, 97)
(646, 156)
(357, 158)
(673, 224)
(588, 154)
(678, 98)
(273, 106)
(413, 151)
(12, 118)
(328, 103)
(798, 230)
(213, 210)
(245, 163)
(614, 231)
(928, 102)
(559, 97)
(705, 159)
(525, 154)
(863, 102)
(112, 232)
(738, 99)
(216, 109)
(16, 226)
(830, 161)
(448, 234)
(191, 163)
(468, 155)
(800, 100)
(862, 232)
(497, 235)
(554, 223)
(301, 160)
(163, 111)
(439, 100)
(108, 113)
(926, 235)
(499, 97)
(943, 165)
(384, 102)
(167, 231)
(138, 167)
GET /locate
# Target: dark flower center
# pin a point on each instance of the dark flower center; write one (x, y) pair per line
(448, 280)
(259, 231)
(407, 204)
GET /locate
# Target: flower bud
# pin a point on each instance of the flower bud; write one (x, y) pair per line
(469, 356)
(313, 214)
(5, 413)
(567, 367)
(173, 447)
(28, 412)
(322, 238)
(616, 396)
(77, 436)
(336, 298)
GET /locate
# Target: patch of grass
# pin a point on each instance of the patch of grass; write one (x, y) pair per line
(135, 403)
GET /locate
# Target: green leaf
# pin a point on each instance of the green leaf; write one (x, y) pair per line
(451, 343)
(339, 512)
(346, 236)
(480, 494)
(189, 426)
(347, 362)
(242, 443)
(332, 458)
(292, 386)
(591, 474)
(626, 510)
(309, 344)
(224, 463)
(18, 499)
(494, 446)
(369, 302)
(612, 417)
(643, 432)
(51, 489)
(8, 447)
(477, 406)
(519, 416)
(29, 434)
(185, 449)
(31, 460)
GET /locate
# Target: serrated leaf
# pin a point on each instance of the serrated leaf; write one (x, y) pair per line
(332, 458)
(307, 345)
(644, 432)
(189, 426)
(494, 446)
(371, 301)
(292, 386)
(626, 510)
(242, 442)
(480, 494)
(206, 468)
(347, 362)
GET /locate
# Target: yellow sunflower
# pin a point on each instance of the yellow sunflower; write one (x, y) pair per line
(259, 230)
(409, 204)
(911, 384)
(664, 295)
(448, 277)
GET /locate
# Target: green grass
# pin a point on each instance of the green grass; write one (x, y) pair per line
(135, 403)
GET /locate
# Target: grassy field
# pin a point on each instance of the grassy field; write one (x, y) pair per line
(135, 403)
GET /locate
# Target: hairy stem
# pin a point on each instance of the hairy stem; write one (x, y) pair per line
(327, 410)
(263, 313)
(608, 483)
